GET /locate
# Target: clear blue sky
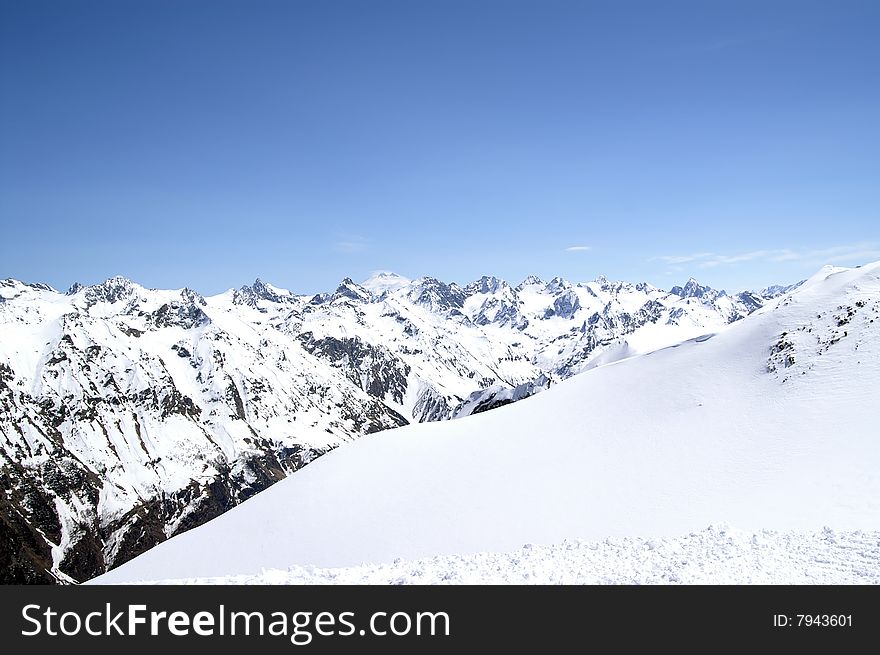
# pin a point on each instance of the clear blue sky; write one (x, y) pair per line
(206, 143)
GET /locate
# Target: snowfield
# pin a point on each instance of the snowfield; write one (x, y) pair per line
(717, 555)
(770, 424)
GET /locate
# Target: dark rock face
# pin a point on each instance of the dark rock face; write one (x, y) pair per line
(186, 315)
(25, 557)
(693, 289)
(259, 290)
(26, 511)
(491, 403)
(565, 306)
(650, 312)
(29, 516)
(529, 281)
(116, 289)
(486, 284)
(500, 312)
(557, 284)
(373, 369)
(437, 295)
(750, 300)
(431, 406)
(351, 291)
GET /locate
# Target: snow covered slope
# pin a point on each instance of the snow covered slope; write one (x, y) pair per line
(128, 415)
(716, 555)
(771, 423)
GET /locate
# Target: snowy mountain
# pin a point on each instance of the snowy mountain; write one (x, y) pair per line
(768, 423)
(129, 415)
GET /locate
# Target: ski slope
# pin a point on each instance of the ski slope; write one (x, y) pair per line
(716, 555)
(771, 423)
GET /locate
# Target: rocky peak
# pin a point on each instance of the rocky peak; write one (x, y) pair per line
(437, 295)
(112, 290)
(250, 295)
(750, 301)
(486, 284)
(192, 297)
(186, 315)
(557, 284)
(693, 289)
(39, 286)
(531, 280)
(565, 306)
(351, 290)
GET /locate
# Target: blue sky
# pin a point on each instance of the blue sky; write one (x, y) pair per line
(206, 143)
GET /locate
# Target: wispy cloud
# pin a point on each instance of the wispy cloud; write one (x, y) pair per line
(351, 243)
(578, 248)
(844, 254)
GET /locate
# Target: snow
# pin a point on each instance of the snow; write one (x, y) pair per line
(384, 282)
(715, 555)
(657, 445)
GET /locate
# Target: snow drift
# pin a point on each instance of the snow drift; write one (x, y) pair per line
(716, 555)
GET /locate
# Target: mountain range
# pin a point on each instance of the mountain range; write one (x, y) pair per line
(765, 430)
(129, 415)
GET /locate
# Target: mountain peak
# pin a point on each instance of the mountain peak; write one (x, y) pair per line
(486, 284)
(557, 284)
(38, 286)
(776, 290)
(529, 281)
(693, 289)
(110, 290)
(437, 295)
(348, 288)
(260, 290)
(386, 275)
(381, 283)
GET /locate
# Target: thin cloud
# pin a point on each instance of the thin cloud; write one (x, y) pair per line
(844, 254)
(682, 259)
(578, 248)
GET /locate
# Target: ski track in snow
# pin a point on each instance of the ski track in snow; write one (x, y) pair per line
(716, 555)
